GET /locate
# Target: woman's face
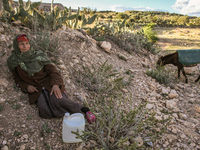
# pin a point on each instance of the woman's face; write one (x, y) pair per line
(24, 46)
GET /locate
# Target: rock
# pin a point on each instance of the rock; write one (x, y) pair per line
(138, 140)
(183, 136)
(17, 23)
(99, 55)
(122, 56)
(171, 137)
(87, 146)
(3, 38)
(2, 100)
(197, 108)
(84, 59)
(189, 70)
(25, 136)
(93, 40)
(22, 147)
(182, 116)
(127, 143)
(4, 147)
(62, 67)
(165, 91)
(81, 98)
(145, 65)
(107, 46)
(63, 27)
(76, 61)
(93, 142)
(188, 124)
(153, 87)
(175, 115)
(4, 82)
(146, 60)
(158, 117)
(112, 140)
(165, 116)
(1, 29)
(23, 126)
(171, 104)
(124, 90)
(174, 130)
(194, 120)
(4, 142)
(80, 147)
(149, 106)
(176, 110)
(173, 94)
(191, 95)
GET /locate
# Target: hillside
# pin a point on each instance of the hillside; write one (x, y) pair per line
(22, 128)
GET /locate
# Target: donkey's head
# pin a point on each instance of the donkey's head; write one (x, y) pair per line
(160, 61)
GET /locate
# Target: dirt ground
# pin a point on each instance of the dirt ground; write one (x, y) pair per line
(22, 128)
(171, 39)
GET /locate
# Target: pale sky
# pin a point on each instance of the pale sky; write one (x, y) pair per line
(185, 7)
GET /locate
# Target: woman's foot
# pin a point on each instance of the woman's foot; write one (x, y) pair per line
(90, 117)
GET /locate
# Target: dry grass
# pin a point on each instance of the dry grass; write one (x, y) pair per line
(172, 39)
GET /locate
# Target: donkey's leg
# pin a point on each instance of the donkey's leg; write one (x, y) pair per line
(183, 71)
(179, 72)
(198, 65)
(197, 79)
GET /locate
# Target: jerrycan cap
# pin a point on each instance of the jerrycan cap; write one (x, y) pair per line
(67, 114)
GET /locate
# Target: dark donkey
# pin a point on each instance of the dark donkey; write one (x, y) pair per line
(173, 59)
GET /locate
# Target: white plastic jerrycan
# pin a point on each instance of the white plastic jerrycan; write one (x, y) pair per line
(72, 123)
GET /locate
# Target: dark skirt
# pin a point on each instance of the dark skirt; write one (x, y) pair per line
(50, 107)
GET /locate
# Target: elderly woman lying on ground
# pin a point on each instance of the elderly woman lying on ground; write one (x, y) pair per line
(34, 73)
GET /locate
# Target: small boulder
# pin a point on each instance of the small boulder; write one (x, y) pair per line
(107, 46)
(17, 23)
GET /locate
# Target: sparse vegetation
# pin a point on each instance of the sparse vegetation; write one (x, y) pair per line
(45, 128)
(161, 75)
(16, 133)
(45, 41)
(120, 123)
(117, 129)
(101, 80)
(1, 108)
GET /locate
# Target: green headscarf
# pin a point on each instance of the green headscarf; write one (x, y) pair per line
(30, 61)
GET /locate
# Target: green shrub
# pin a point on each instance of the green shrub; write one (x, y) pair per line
(79, 17)
(101, 80)
(133, 42)
(161, 75)
(122, 16)
(43, 40)
(149, 33)
(183, 20)
(102, 16)
(151, 25)
(118, 127)
(110, 17)
(131, 20)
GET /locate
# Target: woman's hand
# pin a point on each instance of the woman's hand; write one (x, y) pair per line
(31, 89)
(56, 90)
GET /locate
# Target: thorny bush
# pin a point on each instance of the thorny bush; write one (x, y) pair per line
(161, 75)
(100, 80)
(121, 126)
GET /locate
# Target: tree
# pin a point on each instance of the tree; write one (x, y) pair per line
(183, 20)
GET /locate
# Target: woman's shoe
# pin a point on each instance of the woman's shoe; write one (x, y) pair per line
(90, 117)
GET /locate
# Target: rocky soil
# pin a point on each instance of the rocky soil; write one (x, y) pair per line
(22, 128)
